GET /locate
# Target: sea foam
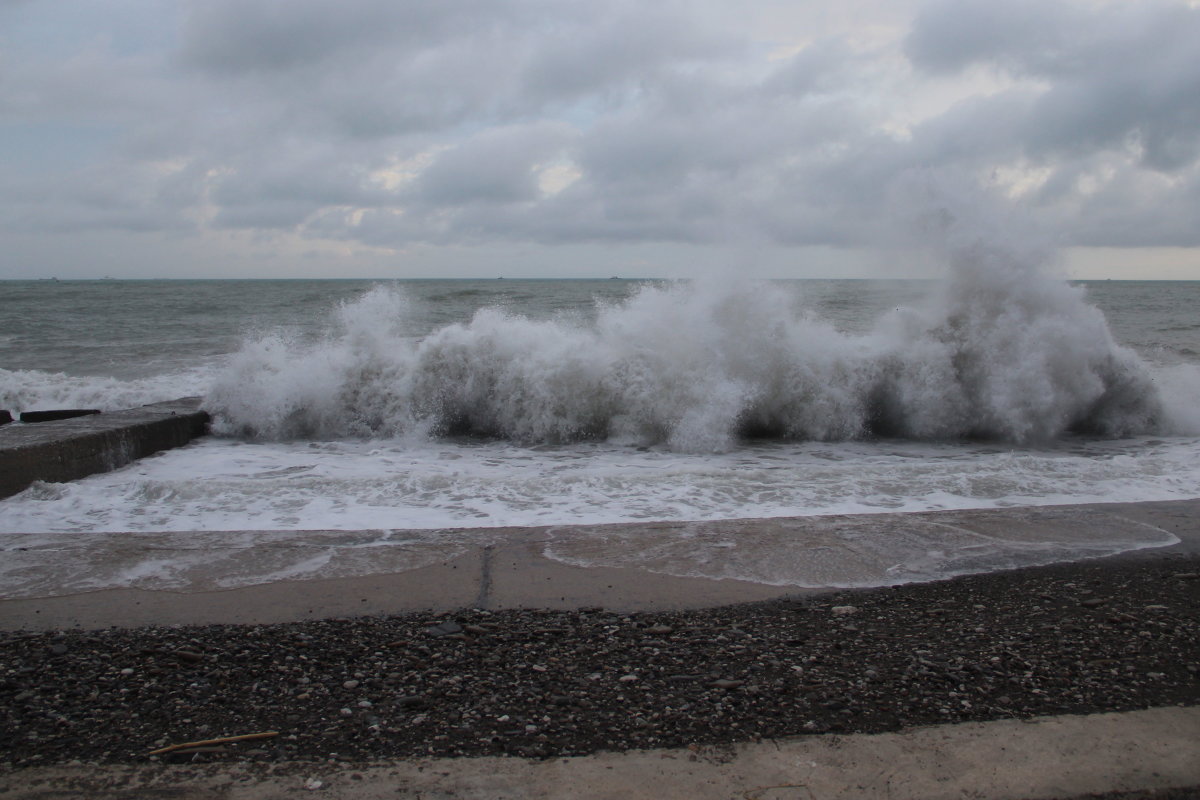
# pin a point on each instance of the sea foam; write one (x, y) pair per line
(999, 351)
(30, 390)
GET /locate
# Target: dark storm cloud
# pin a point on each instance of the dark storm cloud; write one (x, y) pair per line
(391, 122)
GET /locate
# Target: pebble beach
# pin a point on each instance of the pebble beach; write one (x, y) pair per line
(1107, 635)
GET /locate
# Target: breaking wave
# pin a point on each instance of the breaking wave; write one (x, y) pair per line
(1000, 351)
(30, 390)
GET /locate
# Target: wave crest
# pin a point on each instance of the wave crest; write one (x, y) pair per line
(999, 352)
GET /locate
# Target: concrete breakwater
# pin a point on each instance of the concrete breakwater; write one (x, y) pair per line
(67, 449)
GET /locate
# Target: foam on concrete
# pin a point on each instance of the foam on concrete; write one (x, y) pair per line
(68, 449)
(50, 581)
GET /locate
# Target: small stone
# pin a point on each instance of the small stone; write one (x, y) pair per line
(57, 649)
(659, 630)
(350, 684)
(312, 784)
(444, 629)
(843, 611)
(345, 712)
(1093, 602)
(627, 678)
(725, 683)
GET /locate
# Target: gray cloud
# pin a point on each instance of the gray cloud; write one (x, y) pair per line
(1023, 35)
(496, 166)
(229, 36)
(1122, 77)
(391, 123)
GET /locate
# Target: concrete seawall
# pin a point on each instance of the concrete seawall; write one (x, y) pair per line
(68, 449)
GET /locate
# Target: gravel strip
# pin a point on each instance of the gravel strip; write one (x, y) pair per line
(1079, 638)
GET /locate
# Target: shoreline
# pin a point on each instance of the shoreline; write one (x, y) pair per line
(68, 581)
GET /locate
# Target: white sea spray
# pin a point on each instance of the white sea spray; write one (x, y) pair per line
(1002, 351)
(31, 390)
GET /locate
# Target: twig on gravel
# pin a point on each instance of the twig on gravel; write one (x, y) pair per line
(219, 740)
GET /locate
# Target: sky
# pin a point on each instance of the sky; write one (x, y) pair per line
(527, 138)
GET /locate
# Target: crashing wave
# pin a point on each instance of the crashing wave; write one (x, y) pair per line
(1000, 352)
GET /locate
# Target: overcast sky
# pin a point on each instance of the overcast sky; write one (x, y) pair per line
(375, 138)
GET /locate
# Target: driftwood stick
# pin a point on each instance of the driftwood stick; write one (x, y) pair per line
(219, 740)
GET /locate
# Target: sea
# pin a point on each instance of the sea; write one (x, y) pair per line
(434, 406)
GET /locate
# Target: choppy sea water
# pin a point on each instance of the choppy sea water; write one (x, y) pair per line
(349, 405)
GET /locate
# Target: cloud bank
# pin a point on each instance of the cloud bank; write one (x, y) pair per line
(387, 124)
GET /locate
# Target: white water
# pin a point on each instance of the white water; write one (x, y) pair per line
(687, 402)
(33, 389)
(1002, 354)
(352, 485)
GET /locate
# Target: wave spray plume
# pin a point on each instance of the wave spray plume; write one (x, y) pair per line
(1000, 351)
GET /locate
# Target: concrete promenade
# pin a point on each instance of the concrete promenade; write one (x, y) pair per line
(1049, 757)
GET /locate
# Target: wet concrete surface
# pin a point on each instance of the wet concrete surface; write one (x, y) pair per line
(97, 580)
(67, 449)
